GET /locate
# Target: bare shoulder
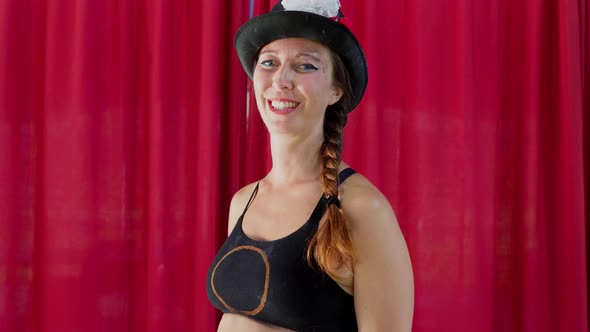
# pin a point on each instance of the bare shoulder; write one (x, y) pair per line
(364, 205)
(238, 204)
(383, 285)
(371, 219)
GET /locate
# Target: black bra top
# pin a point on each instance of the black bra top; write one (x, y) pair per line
(271, 281)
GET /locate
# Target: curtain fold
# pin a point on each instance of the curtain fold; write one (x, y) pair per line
(126, 127)
(121, 128)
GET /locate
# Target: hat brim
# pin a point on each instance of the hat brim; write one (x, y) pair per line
(264, 29)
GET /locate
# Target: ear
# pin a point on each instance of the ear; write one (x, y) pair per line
(335, 95)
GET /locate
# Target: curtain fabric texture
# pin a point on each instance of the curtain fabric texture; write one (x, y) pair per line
(126, 126)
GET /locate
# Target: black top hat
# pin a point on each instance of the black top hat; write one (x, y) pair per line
(320, 21)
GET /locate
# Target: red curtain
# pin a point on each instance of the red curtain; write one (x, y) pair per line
(125, 129)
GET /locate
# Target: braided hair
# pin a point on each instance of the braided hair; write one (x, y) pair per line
(331, 246)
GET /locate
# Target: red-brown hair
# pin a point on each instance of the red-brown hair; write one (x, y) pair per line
(331, 246)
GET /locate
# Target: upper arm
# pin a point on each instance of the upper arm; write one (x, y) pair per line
(383, 278)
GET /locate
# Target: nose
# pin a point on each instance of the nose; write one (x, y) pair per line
(283, 78)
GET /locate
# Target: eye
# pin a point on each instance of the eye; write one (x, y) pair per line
(267, 63)
(307, 67)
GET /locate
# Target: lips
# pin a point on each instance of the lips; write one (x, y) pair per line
(282, 106)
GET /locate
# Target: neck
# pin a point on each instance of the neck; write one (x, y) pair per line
(295, 160)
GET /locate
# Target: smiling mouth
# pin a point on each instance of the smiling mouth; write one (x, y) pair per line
(282, 106)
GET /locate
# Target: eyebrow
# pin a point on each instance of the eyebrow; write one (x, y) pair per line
(313, 55)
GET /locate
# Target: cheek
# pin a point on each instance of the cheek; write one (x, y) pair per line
(258, 88)
(259, 82)
(319, 90)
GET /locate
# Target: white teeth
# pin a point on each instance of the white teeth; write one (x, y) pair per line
(283, 104)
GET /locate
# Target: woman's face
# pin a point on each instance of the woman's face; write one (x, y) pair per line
(293, 83)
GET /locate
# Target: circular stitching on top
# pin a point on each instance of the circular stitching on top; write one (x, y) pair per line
(266, 282)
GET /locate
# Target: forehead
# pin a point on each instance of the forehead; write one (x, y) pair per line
(296, 45)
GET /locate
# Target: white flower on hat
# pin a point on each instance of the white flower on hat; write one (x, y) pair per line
(327, 8)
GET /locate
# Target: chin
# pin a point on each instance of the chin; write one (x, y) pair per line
(282, 128)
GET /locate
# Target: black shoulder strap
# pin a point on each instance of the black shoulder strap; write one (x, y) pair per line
(345, 173)
(254, 192)
(320, 208)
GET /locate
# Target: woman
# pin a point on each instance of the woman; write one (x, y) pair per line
(313, 246)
